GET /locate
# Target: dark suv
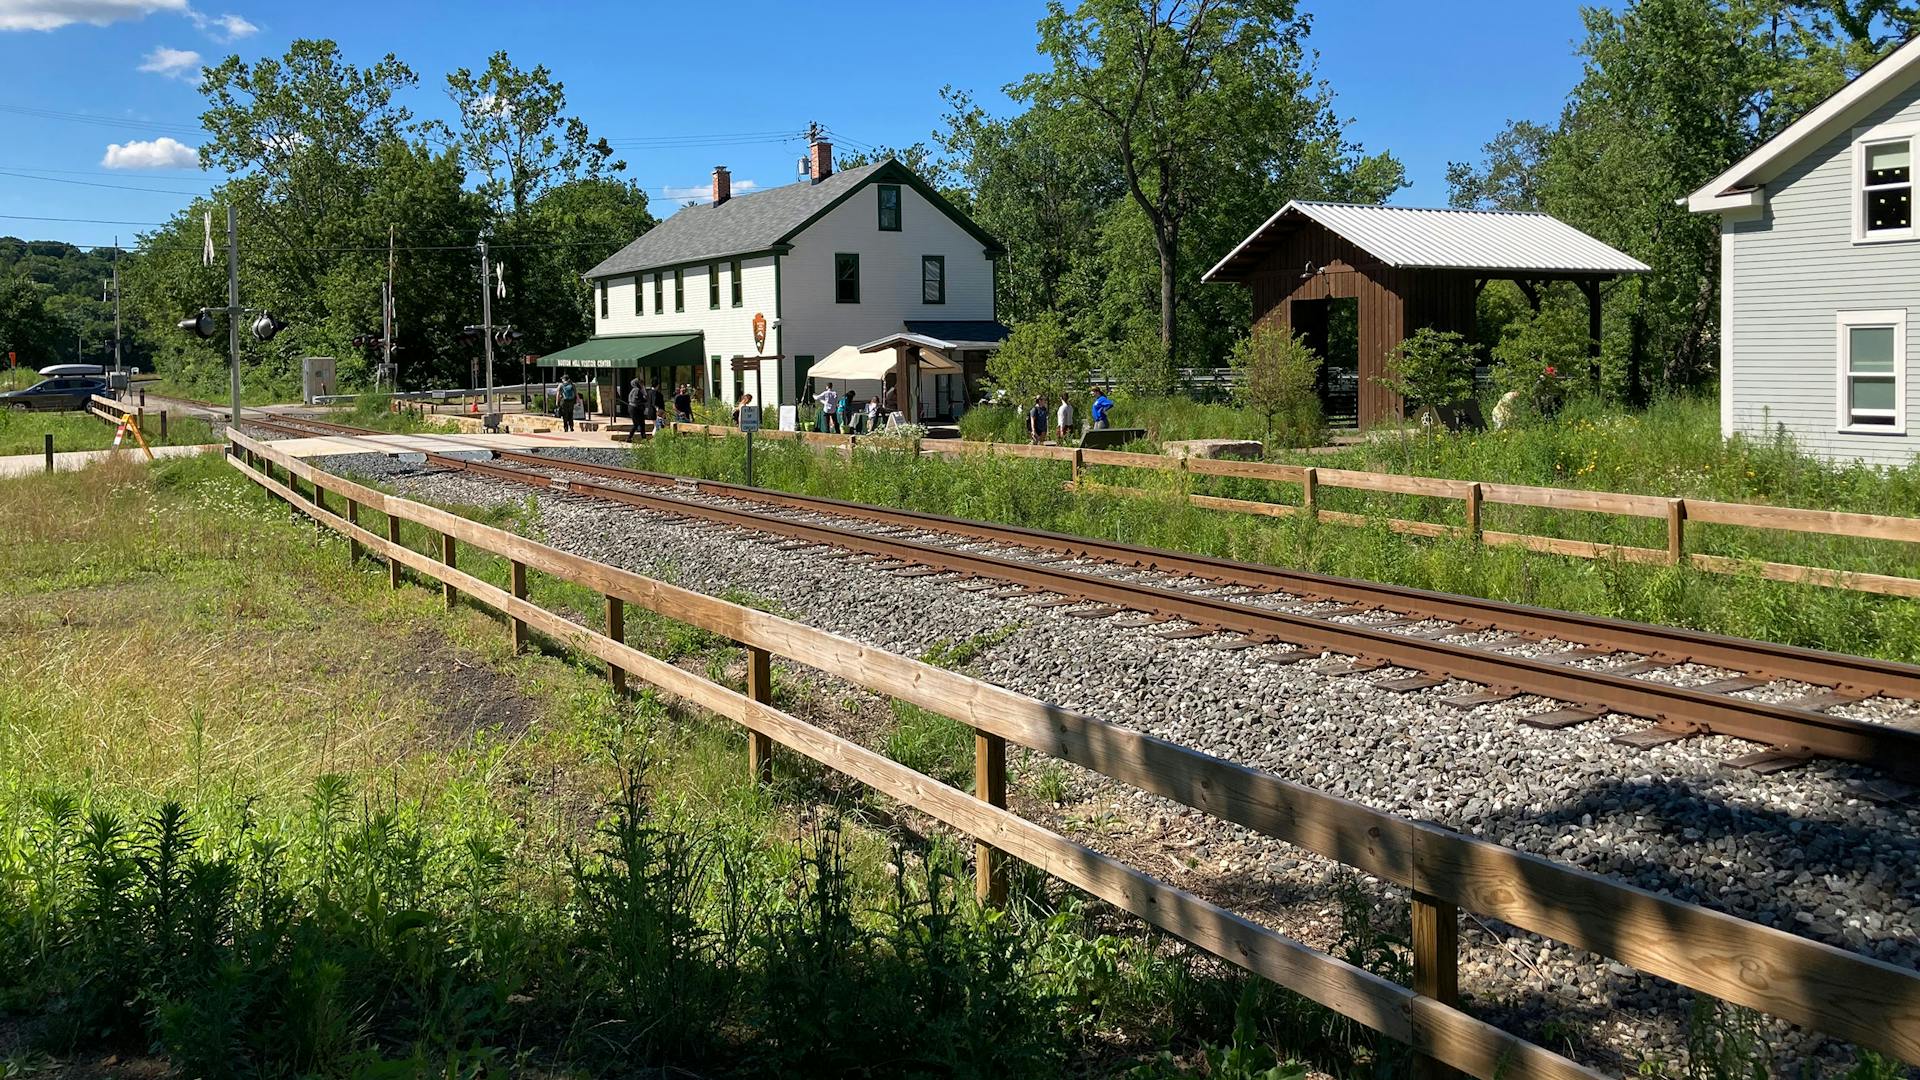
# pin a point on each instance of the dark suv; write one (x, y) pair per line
(59, 392)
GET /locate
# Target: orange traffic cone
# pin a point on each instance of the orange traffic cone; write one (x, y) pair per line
(473, 408)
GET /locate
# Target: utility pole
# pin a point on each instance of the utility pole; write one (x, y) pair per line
(117, 364)
(233, 308)
(486, 317)
(386, 318)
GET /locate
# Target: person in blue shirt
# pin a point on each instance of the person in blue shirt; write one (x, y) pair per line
(1101, 405)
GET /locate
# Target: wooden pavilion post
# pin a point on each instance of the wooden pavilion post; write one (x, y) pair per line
(1591, 286)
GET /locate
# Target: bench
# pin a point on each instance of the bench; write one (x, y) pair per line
(1110, 438)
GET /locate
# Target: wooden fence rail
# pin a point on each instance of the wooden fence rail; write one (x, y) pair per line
(1816, 986)
(1474, 495)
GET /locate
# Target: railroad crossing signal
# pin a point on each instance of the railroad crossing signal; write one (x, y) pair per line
(199, 325)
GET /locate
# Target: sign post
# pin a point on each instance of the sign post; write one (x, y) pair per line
(749, 423)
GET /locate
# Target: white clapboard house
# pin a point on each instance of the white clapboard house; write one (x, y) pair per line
(1820, 274)
(833, 262)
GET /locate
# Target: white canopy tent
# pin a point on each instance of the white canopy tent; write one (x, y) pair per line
(848, 363)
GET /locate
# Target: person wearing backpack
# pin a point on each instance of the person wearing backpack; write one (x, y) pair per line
(569, 394)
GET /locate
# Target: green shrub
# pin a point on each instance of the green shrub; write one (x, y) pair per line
(1041, 357)
(1275, 377)
(1431, 369)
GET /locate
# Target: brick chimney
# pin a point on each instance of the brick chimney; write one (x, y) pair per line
(819, 160)
(722, 184)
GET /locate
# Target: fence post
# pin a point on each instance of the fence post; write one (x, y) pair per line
(1079, 461)
(393, 564)
(617, 630)
(1310, 493)
(517, 580)
(447, 556)
(354, 550)
(989, 785)
(49, 452)
(1676, 530)
(760, 689)
(1473, 511)
(163, 423)
(1436, 965)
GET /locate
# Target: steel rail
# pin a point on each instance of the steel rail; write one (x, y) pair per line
(1864, 675)
(1793, 730)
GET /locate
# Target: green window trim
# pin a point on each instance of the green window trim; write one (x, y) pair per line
(889, 200)
(713, 386)
(739, 297)
(679, 290)
(933, 279)
(846, 278)
(713, 286)
(659, 284)
(639, 295)
(603, 298)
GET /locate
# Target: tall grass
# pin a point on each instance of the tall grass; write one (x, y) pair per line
(1030, 493)
(1165, 418)
(24, 432)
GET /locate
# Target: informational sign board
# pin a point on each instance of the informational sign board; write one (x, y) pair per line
(749, 418)
(789, 418)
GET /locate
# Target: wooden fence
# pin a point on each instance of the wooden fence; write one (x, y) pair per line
(1474, 495)
(1817, 986)
(113, 412)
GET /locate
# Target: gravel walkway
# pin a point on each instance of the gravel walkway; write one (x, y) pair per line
(1817, 850)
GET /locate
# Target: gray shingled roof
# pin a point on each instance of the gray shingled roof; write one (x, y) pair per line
(740, 225)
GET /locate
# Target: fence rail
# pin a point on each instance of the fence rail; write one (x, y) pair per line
(1814, 985)
(1475, 495)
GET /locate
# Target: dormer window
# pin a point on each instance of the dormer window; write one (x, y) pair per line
(1883, 185)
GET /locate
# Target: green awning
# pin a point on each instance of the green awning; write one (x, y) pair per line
(630, 351)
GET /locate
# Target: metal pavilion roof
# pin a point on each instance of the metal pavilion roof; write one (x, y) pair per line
(1408, 238)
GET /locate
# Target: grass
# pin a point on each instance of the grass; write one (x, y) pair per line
(1165, 418)
(1029, 493)
(260, 814)
(24, 432)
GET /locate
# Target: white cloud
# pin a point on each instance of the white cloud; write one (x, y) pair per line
(228, 27)
(160, 153)
(54, 14)
(173, 63)
(703, 192)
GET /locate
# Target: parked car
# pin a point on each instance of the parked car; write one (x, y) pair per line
(59, 392)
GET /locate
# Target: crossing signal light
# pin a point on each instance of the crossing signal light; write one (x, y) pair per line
(266, 326)
(200, 324)
(506, 335)
(469, 335)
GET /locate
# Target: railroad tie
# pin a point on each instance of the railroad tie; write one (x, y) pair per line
(1478, 698)
(1733, 685)
(1555, 719)
(1821, 700)
(1359, 666)
(1410, 683)
(1771, 760)
(1647, 738)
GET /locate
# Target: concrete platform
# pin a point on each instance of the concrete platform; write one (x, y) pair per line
(328, 445)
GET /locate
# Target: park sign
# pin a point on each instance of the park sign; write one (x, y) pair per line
(749, 418)
(759, 332)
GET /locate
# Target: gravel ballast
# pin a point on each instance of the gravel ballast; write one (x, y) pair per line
(1818, 851)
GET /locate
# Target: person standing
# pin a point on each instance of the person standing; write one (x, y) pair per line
(569, 394)
(1037, 421)
(657, 407)
(841, 412)
(636, 399)
(1063, 420)
(1102, 405)
(828, 401)
(683, 405)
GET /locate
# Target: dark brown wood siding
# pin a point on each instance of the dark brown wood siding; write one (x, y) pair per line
(1392, 303)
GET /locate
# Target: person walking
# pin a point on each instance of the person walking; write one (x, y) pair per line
(657, 407)
(568, 395)
(841, 412)
(1102, 405)
(1063, 420)
(636, 399)
(828, 400)
(1037, 421)
(873, 416)
(683, 405)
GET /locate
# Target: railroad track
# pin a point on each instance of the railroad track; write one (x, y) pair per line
(1413, 633)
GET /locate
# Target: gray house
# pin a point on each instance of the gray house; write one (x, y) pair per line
(1820, 274)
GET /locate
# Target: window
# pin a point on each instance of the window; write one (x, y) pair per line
(846, 279)
(713, 285)
(603, 298)
(735, 268)
(1883, 182)
(1873, 378)
(639, 296)
(679, 290)
(889, 207)
(657, 285)
(933, 279)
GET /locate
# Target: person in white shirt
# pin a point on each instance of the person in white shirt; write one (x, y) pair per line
(1063, 420)
(827, 399)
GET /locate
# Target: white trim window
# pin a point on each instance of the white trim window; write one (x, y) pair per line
(1883, 185)
(1873, 371)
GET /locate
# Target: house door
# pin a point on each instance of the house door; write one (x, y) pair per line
(948, 400)
(1331, 328)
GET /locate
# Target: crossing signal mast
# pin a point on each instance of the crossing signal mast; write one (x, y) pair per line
(200, 324)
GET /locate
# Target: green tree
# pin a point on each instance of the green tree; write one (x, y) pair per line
(1431, 369)
(1041, 357)
(1210, 111)
(1274, 375)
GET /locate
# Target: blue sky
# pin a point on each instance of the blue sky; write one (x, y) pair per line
(683, 87)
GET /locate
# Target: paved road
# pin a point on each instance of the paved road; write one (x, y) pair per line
(28, 464)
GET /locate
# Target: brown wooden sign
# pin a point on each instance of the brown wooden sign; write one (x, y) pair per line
(746, 363)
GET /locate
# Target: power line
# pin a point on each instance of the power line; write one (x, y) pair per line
(102, 121)
(97, 184)
(82, 221)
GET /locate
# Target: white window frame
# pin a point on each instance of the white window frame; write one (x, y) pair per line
(1847, 321)
(1857, 188)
